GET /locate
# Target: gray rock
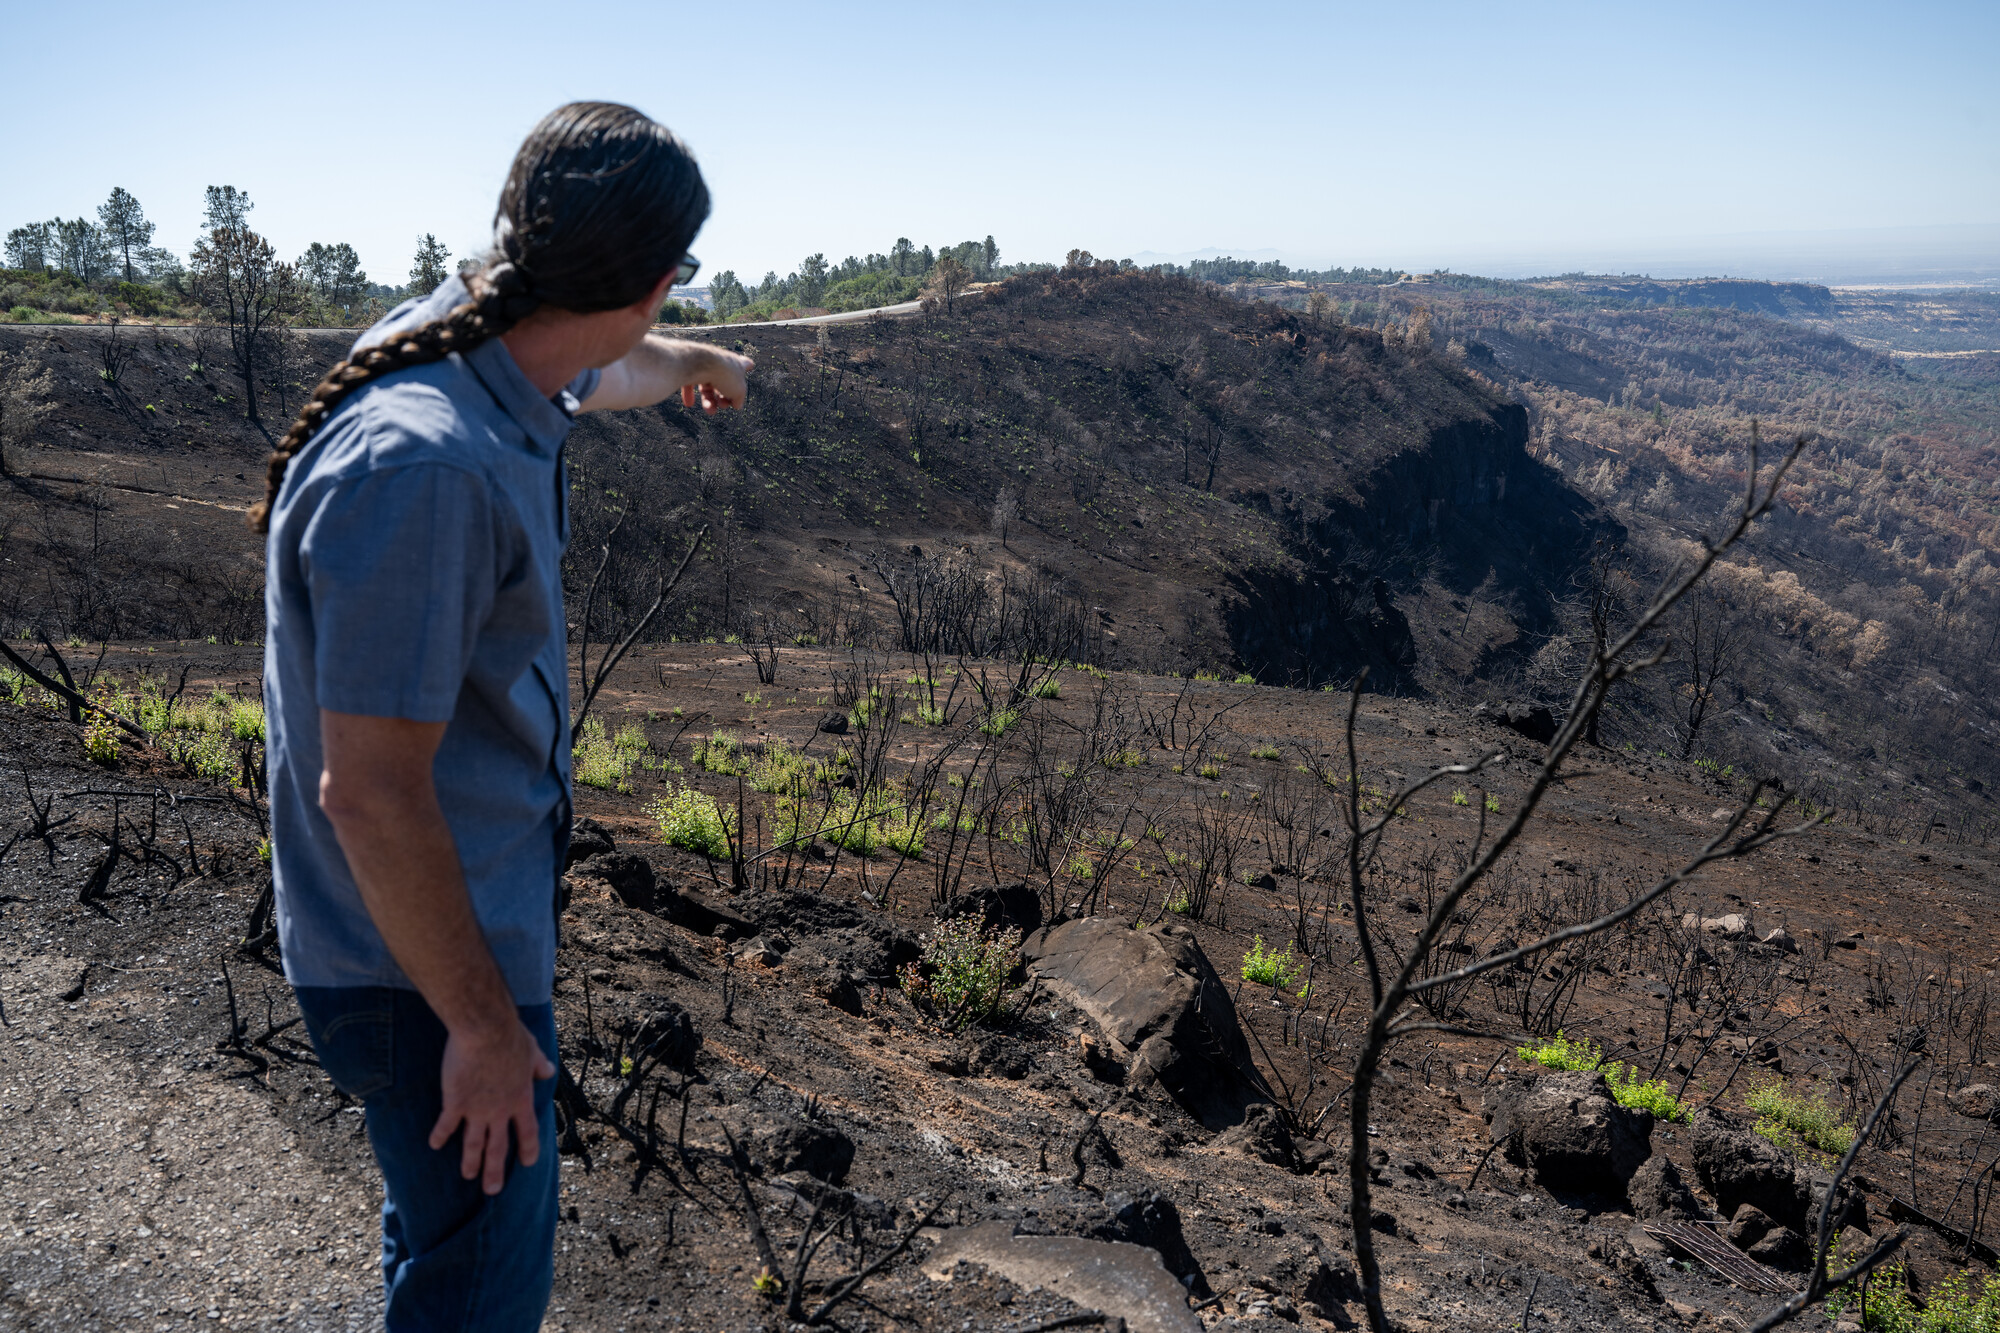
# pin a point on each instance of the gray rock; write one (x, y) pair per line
(1566, 1128)
(1658, 1191)
(1748, 1225)
(1977, 1101)
(759, 951)
(1159, 1007)
(834, 724)
(1781, 940)
(1733, 926)
(1127, 1282)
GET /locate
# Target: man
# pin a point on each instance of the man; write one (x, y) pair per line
(417, 690)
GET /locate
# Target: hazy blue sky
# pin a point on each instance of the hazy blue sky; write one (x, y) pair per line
(1405, 134)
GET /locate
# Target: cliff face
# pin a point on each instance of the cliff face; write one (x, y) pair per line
(1466, 505)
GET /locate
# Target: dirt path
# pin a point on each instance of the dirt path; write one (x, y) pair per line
(142, 1192)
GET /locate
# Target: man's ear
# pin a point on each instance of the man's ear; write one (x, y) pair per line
(656, 298)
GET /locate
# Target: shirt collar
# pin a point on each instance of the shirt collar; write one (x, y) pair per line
(544, 421)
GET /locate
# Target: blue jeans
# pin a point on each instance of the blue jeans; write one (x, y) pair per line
(452, 1258)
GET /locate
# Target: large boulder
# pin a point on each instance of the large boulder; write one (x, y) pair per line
(1738, 1166)
(1159, 1007)
(1977, 1101)
(999, 906)
(1565, 1126)
(1657, 1192)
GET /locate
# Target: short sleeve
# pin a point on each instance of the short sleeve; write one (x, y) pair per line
(577, 392)
(400, 567)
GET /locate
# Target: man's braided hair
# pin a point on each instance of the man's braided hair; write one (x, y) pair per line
(599, 205)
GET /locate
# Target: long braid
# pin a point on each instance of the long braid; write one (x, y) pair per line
(502, 298)
(599, 204)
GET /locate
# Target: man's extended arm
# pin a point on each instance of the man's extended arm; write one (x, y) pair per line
(660, 367)
(376, 789)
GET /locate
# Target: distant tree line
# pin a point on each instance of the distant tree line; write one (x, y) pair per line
(857, 283)
(68, 267)
(1225, 269)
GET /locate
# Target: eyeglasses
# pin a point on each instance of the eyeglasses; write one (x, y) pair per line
(685, 273)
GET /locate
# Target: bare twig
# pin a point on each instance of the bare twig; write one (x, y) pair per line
(616, 654)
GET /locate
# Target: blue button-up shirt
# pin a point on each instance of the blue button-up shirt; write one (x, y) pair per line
(414, 570)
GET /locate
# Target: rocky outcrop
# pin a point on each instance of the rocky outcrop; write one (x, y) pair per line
(999, 906)
(1566, 1128)
(1534, 721)
(1159, 1008)
(1738, 1166)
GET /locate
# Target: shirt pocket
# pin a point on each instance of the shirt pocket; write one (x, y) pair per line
(353, 1032)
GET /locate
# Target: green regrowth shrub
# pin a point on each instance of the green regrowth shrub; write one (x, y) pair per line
(100, 737)
(721, 754)
(1270, 967)
(1266, 752)
(1965, 1302)
(1627, 1088)
(780, 770)
(693, 821)
(606, 762)
(963, 972)
(997, 723)
(1792, 1120)
(1046, 689)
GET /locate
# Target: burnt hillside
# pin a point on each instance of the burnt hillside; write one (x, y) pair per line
(1232, 486)
(1209, 484)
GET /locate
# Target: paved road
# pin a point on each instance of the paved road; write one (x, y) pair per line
(845, 316)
